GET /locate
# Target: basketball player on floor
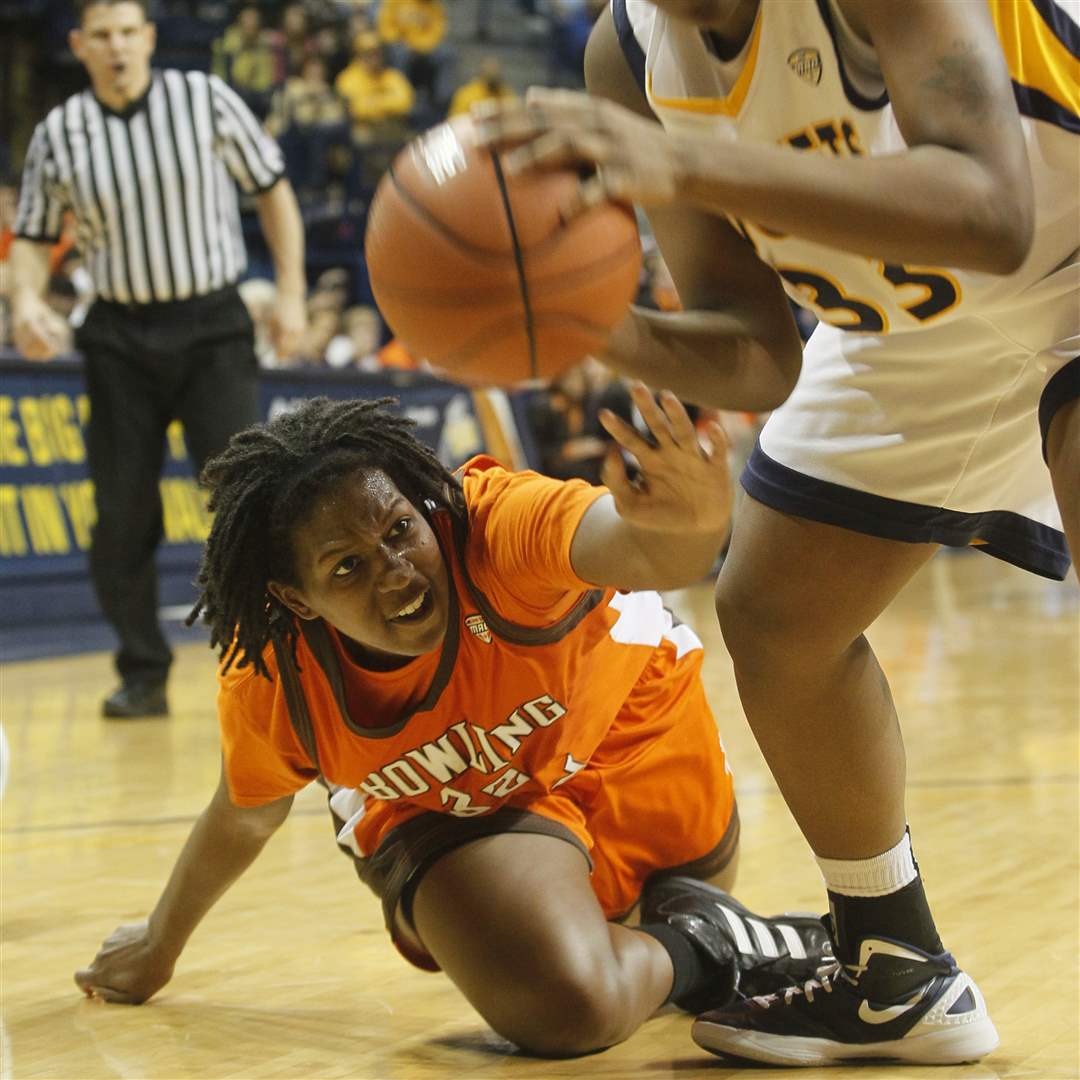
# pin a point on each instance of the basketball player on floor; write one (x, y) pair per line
(873, 160)
(492, 719)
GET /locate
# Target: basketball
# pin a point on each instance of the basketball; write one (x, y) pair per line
(477, 272)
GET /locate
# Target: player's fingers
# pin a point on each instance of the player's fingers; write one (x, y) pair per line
(114, 997)
(655, 419)
(613, 476)
(496, 125)
(624, 434)
(682, 430)
(589, 193)
(556, 148)
(716, 442)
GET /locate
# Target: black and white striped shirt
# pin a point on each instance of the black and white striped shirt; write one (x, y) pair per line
(152, 189)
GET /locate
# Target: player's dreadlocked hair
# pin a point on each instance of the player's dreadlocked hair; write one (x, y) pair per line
(264, 483)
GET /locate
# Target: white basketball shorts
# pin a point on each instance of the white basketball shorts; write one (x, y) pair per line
(933, 436)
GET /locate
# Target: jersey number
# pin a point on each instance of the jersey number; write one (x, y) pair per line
(938, 293)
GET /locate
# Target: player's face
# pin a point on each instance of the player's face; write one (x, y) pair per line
(115, 43)
(724, 15)
(369, 564)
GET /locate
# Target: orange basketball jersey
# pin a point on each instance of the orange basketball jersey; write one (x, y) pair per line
(536, 667)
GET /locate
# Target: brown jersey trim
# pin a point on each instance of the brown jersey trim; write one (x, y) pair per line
(322, 648)
(299, 714)
(516, 633)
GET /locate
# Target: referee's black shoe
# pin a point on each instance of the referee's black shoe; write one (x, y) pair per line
(892, 1003)
(136, 699)
(757, 954)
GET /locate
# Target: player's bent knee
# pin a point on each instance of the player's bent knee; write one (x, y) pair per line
(561, 1017)
(763, 626)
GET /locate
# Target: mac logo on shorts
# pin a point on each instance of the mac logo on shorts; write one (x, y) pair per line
(478, 628)
(806, 63)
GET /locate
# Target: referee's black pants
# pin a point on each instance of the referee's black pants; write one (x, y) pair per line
(146, 365)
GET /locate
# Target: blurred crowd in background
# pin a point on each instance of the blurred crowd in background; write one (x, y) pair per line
(342, 85)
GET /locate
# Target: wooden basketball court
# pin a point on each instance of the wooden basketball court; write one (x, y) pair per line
(292, 975)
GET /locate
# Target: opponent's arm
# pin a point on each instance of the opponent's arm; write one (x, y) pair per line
(735, 345)
(137, 960)
(663, 529)
(960, 195)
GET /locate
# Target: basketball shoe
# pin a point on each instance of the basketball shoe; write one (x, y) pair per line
(752, 954)
(895, 1003)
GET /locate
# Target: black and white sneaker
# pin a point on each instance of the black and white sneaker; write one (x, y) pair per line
(760, 954)
(896, 1003)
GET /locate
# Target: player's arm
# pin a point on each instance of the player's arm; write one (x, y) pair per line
(137, 960)
(961, 195)
(735, 345)
(38, 332)
(663, 529)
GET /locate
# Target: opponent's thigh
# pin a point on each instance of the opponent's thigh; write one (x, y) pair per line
(820, 585)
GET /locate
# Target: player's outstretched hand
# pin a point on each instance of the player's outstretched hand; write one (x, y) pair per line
(684, 483)
(632, 157)
(128, 969)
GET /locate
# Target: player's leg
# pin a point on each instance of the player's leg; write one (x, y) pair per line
(821, 710)
(666, 829)
(812, 689)
(513, 920)
(1059, 417)
(124, 442)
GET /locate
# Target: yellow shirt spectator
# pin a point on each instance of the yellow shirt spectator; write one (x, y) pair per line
(418, 24)
(373, 91)
(487, 86)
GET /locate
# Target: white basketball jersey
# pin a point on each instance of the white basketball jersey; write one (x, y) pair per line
(803, 81)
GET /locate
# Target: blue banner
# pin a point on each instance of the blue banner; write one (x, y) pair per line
(47, 499)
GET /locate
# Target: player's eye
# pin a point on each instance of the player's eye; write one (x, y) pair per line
(399, 528)
(345, 567)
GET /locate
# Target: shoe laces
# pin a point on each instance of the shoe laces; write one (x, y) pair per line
(824, 979)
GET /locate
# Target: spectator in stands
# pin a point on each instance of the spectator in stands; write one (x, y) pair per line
(379, 97)
(325, 306)
(297, 41)
(310, 120)
(489, 85)
(249, 59)
(565, 420)
(358, 343)
(415, 31)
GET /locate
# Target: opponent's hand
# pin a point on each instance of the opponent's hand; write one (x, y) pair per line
(634, 159)
(38, 332)
(128, 969)
(288, 324)
(684, 484)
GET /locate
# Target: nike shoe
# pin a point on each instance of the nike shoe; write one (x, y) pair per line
(896, 1003)
(757, 955)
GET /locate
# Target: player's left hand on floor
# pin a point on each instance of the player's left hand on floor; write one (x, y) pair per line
(684, 481)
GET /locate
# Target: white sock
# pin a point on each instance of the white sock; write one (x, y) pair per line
(878, 876)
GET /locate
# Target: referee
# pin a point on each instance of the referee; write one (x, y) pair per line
(147, 162)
